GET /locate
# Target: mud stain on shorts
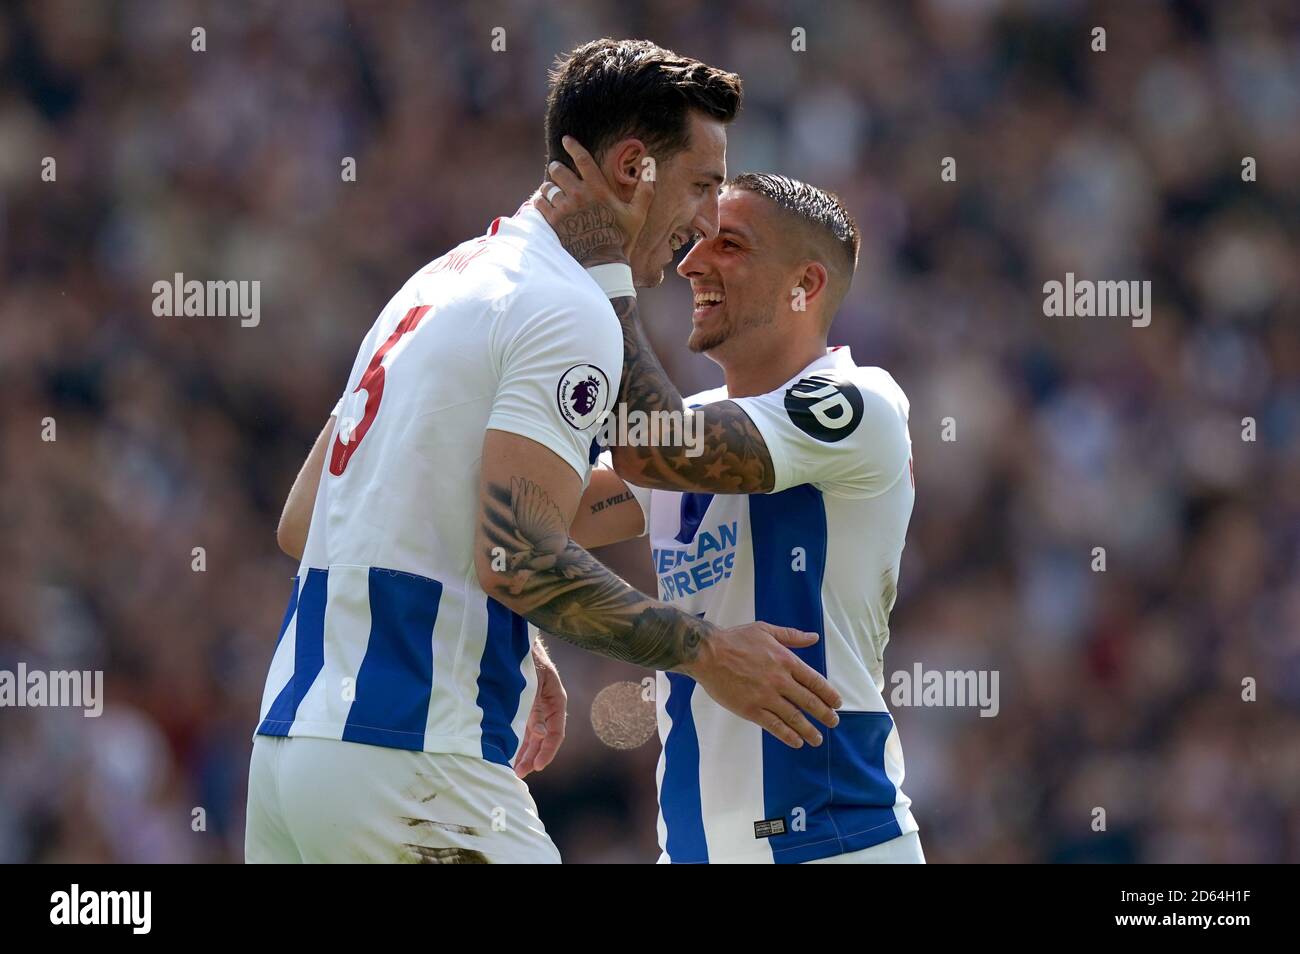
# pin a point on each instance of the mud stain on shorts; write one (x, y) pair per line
(424, 855)
(441, 826)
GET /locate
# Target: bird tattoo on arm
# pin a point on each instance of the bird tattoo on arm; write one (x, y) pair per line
(543, 537)
(562, 589)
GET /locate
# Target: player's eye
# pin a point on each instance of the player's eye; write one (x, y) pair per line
(728, 243)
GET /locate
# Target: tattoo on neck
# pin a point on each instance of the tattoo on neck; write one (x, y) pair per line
(591, 236)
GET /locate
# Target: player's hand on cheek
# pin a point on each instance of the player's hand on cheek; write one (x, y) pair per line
(545, 730)
(593, 223)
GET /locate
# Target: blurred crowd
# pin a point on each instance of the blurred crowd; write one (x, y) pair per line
(1120, 689)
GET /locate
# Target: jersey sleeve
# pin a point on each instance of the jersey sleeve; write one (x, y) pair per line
(560, 368)
(842, 431)
(640, 494)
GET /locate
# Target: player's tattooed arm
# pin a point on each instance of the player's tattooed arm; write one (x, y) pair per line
(525, 560)
(728, 454)
(607, 513)
(562, 589)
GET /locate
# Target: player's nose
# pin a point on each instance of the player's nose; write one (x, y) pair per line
(695, 263)
(706, 217)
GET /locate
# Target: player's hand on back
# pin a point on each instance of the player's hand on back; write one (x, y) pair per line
(750, 671)
(595, 226)
(545, 729)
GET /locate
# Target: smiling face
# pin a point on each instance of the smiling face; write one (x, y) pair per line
(740, 278)
(685, 201)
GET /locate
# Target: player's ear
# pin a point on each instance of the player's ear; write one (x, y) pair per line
(813, 280)
(622, 165)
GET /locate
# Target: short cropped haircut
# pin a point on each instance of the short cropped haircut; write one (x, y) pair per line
(819, 209)
(608, 90)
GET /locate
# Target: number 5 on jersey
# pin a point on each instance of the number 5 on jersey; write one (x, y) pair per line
(372, 382)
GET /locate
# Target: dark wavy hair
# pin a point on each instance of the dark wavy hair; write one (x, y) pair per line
(607, 90)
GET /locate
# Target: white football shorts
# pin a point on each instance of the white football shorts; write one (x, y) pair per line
(326, 801)
(903, 850)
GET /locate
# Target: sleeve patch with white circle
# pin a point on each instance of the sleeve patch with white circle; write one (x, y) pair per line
(824, 408)
(582, 395)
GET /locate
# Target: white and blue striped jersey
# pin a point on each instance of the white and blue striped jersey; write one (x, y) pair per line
(388, 638)
(820, 553)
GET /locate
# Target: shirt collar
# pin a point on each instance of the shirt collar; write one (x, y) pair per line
(839, 357)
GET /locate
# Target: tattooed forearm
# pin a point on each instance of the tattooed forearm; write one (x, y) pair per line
(614, 501)
(562, 589)
(735, 458)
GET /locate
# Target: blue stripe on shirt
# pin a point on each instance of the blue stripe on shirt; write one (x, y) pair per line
(395, 680)
(679, 791)
(830, 796)
(308, 652)
(693, 508)
(501, 681)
